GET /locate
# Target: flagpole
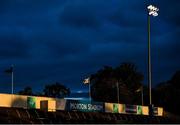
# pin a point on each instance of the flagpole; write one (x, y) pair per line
(117, 92)
(87, 81)
(142, 96)
(90, 92)
(12, 82)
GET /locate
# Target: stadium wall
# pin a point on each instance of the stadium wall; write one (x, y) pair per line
(52, 104)
(21, 101)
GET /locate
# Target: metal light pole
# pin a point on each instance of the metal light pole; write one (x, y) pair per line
(12, 79)
(152, 11)
(149, 61)
(89, 92)
(12, 82)
(117, 92)
(88, 81)
(141, 90)
(142, 100)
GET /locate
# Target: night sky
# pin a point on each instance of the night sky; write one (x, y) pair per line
(67, 40)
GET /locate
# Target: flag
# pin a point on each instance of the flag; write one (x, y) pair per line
(139, 89)
(9, 71)
(87, 80)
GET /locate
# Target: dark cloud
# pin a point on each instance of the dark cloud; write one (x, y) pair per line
(79, 14)
(67, 43)
(13, 47)
(122, 18)
(169, 11)
(66, 49)
(5, 3)
(29, 5)
(126, 35)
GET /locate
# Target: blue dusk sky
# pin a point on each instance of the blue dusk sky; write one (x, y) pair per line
(65, 41)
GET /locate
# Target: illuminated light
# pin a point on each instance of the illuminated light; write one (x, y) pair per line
(75, 98)
(145, 110)
(80, 91)
(160, 111)
(150, 7)
(153, 13)
(153, 10)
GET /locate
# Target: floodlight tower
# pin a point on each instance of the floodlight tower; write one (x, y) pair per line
(152, 11)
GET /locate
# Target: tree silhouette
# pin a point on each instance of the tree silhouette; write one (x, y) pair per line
(56, 90)
(106, 82)
(175, 80)
(128, 73)
(168, 93)
(26, 91)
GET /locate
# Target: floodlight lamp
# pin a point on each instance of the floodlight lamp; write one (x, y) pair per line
(149, 7)
(153, 13)
(153, 10)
